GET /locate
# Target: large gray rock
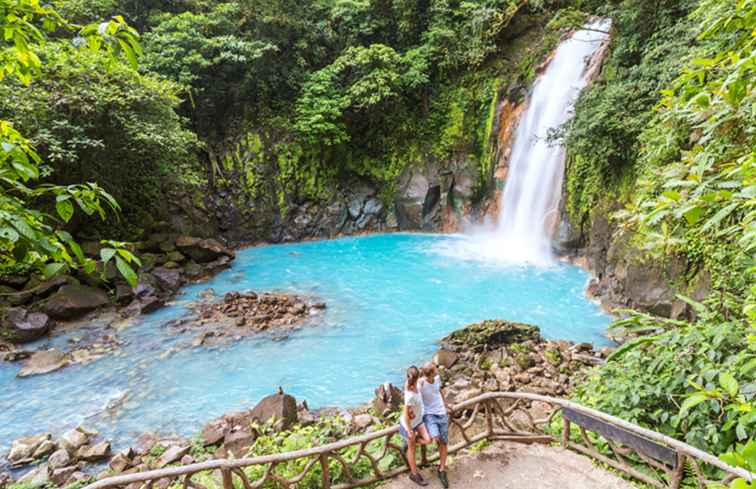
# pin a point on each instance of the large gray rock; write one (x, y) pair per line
(38, 477)
(94, 453)
(43, 362)
(388, 398)
(72, 301)
(282, 407)
(171, 455)
(17, 325)
(168, 280)
(22, 449)
(61, 476)
(202, 250)
(74, 439)
(59, 459)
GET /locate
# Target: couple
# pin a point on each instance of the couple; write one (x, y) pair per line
(425, 419)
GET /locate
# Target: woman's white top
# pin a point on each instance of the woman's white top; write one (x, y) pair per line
(431, 395)
(415, 401)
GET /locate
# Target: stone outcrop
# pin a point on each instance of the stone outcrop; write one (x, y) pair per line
(202, 250)
(43, 362)
(280, 407)
(72, 301)
(18, 325)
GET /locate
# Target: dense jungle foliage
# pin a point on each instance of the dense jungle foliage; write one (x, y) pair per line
(284, 100)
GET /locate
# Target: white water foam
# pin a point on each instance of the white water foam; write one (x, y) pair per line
(529, 209)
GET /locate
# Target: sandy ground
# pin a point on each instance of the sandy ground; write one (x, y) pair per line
(515, 466)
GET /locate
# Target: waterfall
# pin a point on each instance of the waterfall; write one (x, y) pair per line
(529, 209)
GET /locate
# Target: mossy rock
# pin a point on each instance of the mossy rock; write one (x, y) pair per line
(524, 361)
(553, 356)
(491, 334)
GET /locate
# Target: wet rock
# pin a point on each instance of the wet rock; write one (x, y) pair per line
(22, 449)
(59, 459)
(74, 439)
(124, 294)
(44, 449)
(282, 407)
(202, 250)
(38, 477)
(171, 455)
(43, 362)
(193, 270)
(94, 453)
(168, 279)
(145, 443)
(17, 325)
(61, 476)
(72, 301)
(445, 358)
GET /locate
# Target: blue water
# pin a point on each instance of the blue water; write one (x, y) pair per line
(390, 299)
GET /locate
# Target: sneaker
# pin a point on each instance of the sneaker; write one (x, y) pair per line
(442, 477)
(418, 479)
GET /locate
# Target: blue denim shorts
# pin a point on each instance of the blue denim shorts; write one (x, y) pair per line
(438, 427)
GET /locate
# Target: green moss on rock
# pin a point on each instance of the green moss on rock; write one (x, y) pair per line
(492, 333)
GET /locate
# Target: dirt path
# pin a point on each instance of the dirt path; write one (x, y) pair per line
(514, 466)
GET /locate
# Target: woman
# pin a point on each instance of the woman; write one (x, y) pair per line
(411, 424)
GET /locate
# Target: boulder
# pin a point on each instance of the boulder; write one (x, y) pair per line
(72, 440)
(238, 441)
(388, 398)
(22, 450)
(61, 476)
(282, 407)
(120, 462)
(59, 459)
(213, 432)
(44, 449)
(445, 358)
(17, 325)
(94, 453)
(168, 279)
(362, 421)
(202, 250)
(43, 362)
(172, 455)
(38, 477)
(491, 334)
(72, 301)
(124, 294)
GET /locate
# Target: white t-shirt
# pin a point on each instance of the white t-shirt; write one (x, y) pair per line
(414, 401)
(431, 394)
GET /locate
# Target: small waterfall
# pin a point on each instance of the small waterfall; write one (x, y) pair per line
(529, 209)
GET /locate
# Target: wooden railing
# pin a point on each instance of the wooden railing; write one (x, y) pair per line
(640, 454)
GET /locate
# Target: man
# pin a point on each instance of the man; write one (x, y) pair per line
(436, 416)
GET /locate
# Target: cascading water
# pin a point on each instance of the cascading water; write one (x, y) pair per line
(529, 203)
(530, 200)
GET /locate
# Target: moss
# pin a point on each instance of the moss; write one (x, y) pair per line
(524, 361)
(493, 333)
(553, 356)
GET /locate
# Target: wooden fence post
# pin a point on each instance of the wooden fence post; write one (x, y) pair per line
(326, 480)
(565, 432)
(228, 482)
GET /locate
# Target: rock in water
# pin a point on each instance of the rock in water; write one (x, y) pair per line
(282, 407)
(491, 334)
(94, 453)
(72, 440)
(72, 301)
(23, 449)
(59, 459)
(202, 250)
(43, 362)
(19, 326)
(38, 477)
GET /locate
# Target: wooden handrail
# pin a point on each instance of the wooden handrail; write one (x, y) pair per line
(487, 403)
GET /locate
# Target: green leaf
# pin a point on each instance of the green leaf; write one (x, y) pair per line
(692, 401)
(693, 215)
(65, 209)
(106, 254)
(729, 384)
(52, 269)
(126, 270)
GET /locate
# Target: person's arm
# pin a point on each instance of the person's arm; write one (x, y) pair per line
(449, 409)
(408, 415)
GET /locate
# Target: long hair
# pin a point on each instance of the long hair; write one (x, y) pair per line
(413, 375)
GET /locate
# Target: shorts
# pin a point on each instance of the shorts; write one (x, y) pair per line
(404, 433)
(438, 427)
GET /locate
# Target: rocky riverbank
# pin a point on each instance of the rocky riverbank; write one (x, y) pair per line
(482, 357)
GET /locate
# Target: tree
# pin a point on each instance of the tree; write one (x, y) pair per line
(29, 237)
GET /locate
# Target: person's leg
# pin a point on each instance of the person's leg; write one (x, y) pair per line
(442, 426)
(422, 435)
